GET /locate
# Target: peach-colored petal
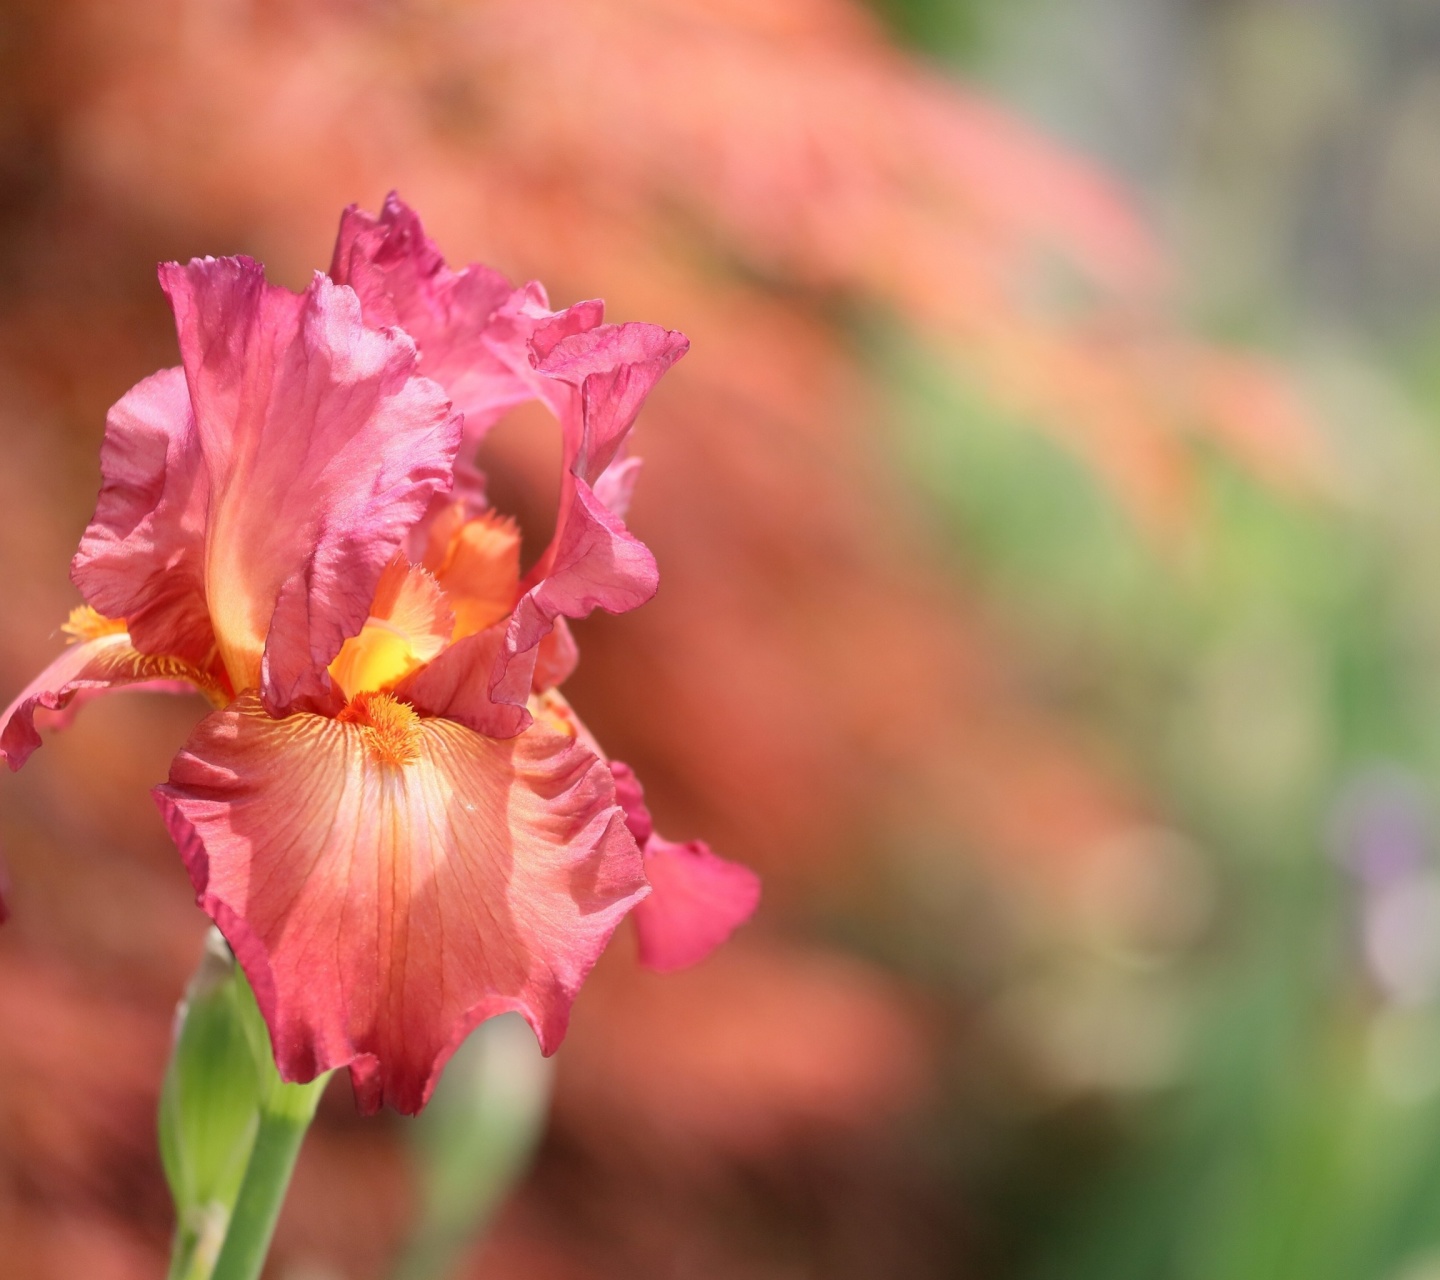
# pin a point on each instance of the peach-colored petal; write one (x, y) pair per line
(388, 880)
(479, 569)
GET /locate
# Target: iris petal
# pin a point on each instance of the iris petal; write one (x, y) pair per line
(102, 658)
(697, 899)
(382, 903)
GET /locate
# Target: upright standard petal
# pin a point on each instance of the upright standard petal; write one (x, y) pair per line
(388, 881)
(697, 899)
(492, 351)
(472, 326)
(322, 450)
(593, 560)
(143, 556)
(101, 657)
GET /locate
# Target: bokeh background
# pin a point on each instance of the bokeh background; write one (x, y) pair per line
(1048, 516)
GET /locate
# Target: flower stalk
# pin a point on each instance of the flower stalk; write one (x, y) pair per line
(284, 1120)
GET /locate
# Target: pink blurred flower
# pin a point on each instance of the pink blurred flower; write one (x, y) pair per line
(396, 820)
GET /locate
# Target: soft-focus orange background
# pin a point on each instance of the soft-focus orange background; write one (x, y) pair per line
(821, 688)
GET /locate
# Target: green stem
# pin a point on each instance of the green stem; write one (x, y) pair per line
(282, 1128)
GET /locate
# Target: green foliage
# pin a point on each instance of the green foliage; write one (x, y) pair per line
(1283, 648)
(229, 1126)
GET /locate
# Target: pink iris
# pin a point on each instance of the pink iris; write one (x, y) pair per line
(396, 820)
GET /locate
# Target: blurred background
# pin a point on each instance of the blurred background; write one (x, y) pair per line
(1048, 516)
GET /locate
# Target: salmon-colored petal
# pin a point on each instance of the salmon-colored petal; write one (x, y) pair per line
(479, 570)
(697, 899)
(322, 450)
(143, 556)
(387, 880)
(102, 658)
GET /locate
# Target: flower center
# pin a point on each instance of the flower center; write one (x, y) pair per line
(469, 580)
(86, 623)
(477, 562)
(409, 624)
(389, 727)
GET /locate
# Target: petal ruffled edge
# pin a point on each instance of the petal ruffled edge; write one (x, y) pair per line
(141, 557)
(383, 905)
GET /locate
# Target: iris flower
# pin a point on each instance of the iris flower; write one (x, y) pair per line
(393, 816)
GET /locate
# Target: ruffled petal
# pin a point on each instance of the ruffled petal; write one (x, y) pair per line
(103, 660)
(388, 881)
(492, 351)
(472, 326)
(594, 562)
(322, 451)
(143, 556)
(556, 658)
(612, 369)
(697, 899)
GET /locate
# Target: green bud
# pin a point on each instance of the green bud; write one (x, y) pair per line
(210, 1108)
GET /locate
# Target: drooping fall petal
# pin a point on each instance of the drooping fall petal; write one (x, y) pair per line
(697, 899)
(102, 658)
(388, 880)
(322, 450)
